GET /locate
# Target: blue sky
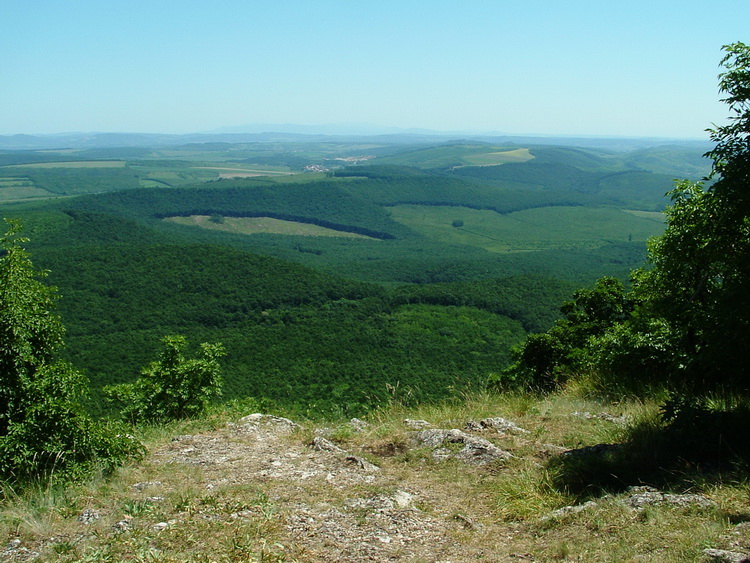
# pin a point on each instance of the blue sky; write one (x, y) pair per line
(573, 67)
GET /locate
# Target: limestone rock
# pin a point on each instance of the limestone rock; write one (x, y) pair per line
(358, 425)
(495, 423)
(475, 450)
(362, 463)
(416, 424)
(725, 556)
(641, 497)
(567, 510)
(601, 416)
(257, 419)
(88, 516)
(321, 444)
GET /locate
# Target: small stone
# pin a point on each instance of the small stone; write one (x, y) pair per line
(88, 516)
(160, 526)
(324, 445)
(121, 526)
(725, 556)
(467, 522)
(403, 499)
(145, 484)
(416, 424)
(567, 510)
(358, 425)
(362, 463)
(473, 426)
(501, 425)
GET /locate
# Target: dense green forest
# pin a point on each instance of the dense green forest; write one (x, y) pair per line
(462, 249)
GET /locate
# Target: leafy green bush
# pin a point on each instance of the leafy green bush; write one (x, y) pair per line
(44, 428)
(686, 323)
(550, 358)
(173, 386)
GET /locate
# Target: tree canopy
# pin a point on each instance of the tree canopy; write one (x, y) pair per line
(43, 425)
(688, 323)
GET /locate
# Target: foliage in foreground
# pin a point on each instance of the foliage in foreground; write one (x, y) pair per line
(163, 510)
(686, 322)
(173, 386)
(43, 425)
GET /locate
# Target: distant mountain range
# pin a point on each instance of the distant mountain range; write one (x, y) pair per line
(269, 132)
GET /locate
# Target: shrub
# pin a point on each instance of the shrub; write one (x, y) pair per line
(173, 386)
(44, 428)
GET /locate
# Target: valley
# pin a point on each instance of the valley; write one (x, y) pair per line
(415, 269)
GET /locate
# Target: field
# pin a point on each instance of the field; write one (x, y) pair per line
(11, 193)
(455, 258)
(499, 157)
(459, 154)
(75, 164)
(254, 225)
(529, 230)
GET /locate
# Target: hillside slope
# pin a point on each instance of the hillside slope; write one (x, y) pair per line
(465, 481)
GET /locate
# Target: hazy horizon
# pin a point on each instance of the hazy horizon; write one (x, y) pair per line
(541, 68)
(347, 129)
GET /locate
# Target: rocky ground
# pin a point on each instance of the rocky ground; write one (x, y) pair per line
(263, 488)
(338, 505)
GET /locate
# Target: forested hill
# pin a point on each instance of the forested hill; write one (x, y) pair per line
(293, 335)
(332, 290)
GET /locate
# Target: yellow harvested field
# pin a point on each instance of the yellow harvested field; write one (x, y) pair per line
(256, 225)
(498, 157)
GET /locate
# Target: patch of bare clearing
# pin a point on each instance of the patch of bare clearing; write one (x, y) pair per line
(256, 225)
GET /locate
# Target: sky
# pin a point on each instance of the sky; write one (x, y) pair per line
(638, 68)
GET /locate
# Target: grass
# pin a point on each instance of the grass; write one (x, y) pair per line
(74, 164)
(247, 171)
(498, 157)
(543, 228)
(174, 512)
(22, 192)
(254, 225)
(450, 156)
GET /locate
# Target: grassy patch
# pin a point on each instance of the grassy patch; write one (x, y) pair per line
(9, 193)
(172, 511)
(255, 225)
(544, 228)
(457, 155)
(247, 171)
(75, 164)
(498, 157)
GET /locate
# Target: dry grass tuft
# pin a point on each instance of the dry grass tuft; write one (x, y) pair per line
(209, 491)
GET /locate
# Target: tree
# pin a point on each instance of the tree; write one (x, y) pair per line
(173, 386)
(549, 359)
(699, 279)
(43, 425)
(687, 324)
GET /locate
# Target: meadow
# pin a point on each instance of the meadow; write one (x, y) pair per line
(254, 225)
(530, 230)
